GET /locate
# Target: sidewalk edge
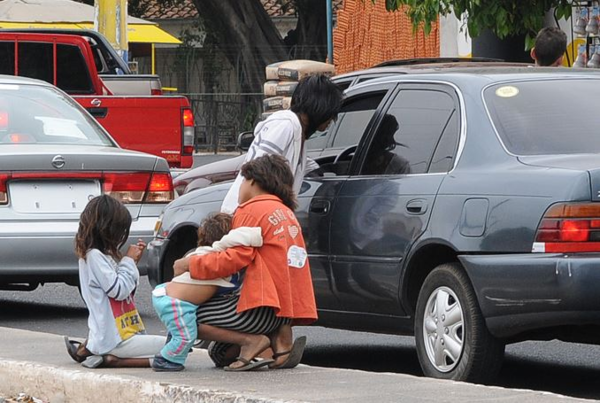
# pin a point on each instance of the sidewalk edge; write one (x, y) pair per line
(54, 384)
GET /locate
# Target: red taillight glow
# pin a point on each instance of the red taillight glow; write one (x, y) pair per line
(160, 189)
(568, 228)
(156, 91)
(3, 120)
(3, 191)
(188, 118)
(187, 146)
(126, 187)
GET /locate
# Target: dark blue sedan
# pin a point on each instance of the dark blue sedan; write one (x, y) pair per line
(465, 211)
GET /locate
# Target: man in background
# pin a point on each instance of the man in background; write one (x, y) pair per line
(550, 47)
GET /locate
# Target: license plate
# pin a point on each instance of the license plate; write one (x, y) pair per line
(51, 196)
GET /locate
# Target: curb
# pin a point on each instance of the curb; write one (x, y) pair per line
(57, 385)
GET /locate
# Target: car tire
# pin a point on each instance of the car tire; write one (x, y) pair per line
(466, 351)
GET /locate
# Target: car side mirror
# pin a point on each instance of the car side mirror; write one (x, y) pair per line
(244, 141)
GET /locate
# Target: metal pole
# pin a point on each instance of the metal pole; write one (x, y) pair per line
(110, 19)
(329, 31)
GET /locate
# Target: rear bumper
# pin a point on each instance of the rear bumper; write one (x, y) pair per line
(44, 251)
(520, 293)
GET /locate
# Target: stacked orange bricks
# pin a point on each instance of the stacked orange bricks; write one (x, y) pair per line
(367, 34)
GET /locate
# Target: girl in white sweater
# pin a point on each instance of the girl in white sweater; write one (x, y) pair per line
(108, 280)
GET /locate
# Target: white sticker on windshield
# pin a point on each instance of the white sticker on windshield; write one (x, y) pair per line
(508, 91)
(61, 127)
(9, 87)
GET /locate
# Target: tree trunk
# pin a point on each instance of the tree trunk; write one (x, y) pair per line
(244, 29)
(311, 30)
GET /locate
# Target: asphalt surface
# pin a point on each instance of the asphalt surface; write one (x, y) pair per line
(564, 368)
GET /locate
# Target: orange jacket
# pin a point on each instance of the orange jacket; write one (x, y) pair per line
(277, 274)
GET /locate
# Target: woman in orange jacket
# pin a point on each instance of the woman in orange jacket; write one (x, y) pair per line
(277, 290)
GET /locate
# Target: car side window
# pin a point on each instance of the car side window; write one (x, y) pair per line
(445, 153)
(354, 118)
(409, 133)
(318, 140)
(71, 70)
(36, 60)
(7, 58)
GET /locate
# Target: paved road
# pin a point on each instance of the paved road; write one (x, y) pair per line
(569, 369)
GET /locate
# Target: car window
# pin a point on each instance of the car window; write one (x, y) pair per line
(546, 116)
(36, 60)
(42, 115)
(445, 153)
(7, 58)
(343, 85)
(71, 70)
(409, 133)
(318, 140)
(354, 118)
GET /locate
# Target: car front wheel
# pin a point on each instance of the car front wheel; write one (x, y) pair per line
(452, 339)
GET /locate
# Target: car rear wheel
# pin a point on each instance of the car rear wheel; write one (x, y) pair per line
(452, 339)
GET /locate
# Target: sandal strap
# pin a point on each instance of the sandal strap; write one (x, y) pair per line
(277, 355)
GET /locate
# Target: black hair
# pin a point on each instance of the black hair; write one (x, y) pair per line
(272, 174)
(319, 99)
(550, 44)
(103, 225)
(213, 228)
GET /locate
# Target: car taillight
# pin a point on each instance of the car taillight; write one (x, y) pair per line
(3, 191)
(568, 228)
(126, 187)
(160, 189)
(188, 131)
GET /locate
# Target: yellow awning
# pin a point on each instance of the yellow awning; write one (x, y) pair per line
(136, 33)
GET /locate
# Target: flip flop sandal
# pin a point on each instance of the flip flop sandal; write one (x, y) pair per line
(93, 361)
(73, 348)
(249, 365)
(294, 355)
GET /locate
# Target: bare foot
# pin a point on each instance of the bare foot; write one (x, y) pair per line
(281, 341)
(255, 344)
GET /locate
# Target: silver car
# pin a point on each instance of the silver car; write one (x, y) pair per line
(54, 158)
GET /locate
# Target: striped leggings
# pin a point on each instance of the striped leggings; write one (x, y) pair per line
(220, 311)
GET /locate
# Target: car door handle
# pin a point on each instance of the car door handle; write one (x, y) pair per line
(320, 206)
(98, 112)
(417, 206)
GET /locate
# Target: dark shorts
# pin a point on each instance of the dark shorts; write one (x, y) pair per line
(220, 311)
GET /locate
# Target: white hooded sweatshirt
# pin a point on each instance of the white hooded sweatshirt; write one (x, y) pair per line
(280, 134)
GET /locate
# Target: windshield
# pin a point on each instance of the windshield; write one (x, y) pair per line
(547, 117)
(43, 115)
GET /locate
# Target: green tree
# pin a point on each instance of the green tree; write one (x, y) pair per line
(503, 17)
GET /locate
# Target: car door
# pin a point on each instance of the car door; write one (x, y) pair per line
(385, 203)
(317, 193)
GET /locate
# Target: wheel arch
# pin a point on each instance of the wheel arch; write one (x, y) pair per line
(181, 240)
(421, 262)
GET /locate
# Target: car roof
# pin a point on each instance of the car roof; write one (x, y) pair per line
(484, 75)
(428, 66)
(6, 79)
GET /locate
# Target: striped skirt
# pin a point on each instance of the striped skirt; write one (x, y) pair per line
(220, 311)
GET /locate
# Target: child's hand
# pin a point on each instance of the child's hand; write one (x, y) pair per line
(181, 266)
(135, 251)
